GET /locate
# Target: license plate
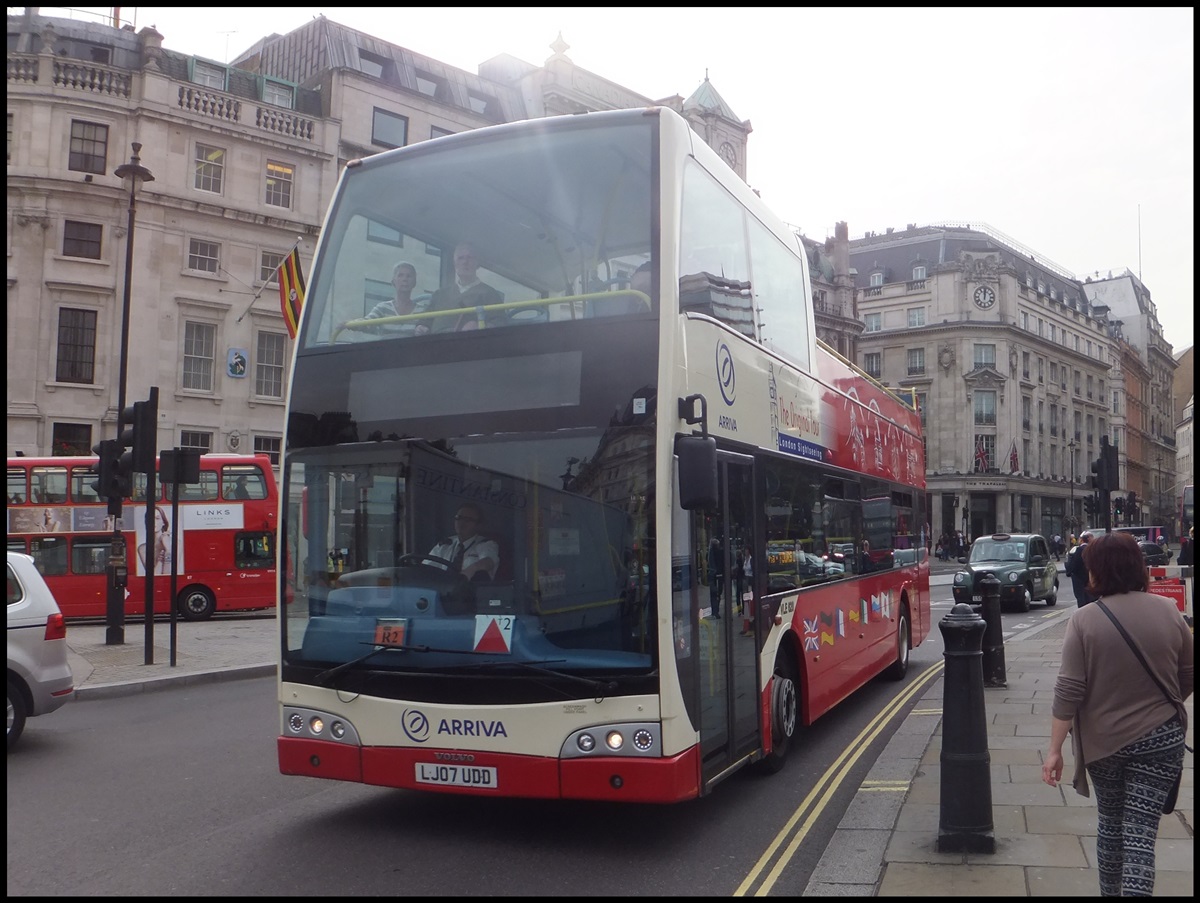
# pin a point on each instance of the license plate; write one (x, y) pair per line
(390, 631)
(477, 776)
(977, 598)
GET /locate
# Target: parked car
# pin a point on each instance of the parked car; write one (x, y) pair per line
(1154, 553)
(1020, 561)
(39, 674)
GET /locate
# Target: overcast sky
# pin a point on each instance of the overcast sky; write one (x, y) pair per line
(1068, 130)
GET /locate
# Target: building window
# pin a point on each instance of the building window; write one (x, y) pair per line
(76, 346)
(277, 94)
(436, 131)
(985, 407)
(210, 168)
(71, 439)
(89, 147)
(204, 256)
(483, 104)
(876, 280)
(269, 446)
(199, 344)
(873, 363)
(10, 133)
(268, 267)
(374, 65)
(200, 440)
(82, 239)
(268, 371)
(985, 356)
(985, 453)
(1078, 382)
(874, 322)
(208, 74)
(918, 273)
(428, 84)
(279, 184)
(1053, 373)
(388, 129)
(916, 361)
(916, 317)
(380, 233)
(1041, 369)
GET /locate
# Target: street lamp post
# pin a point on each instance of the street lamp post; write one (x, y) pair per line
(135, 175)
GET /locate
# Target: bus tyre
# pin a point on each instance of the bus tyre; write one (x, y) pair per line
(785, 714)
(16, 714)
(196, 603)
(897, 669)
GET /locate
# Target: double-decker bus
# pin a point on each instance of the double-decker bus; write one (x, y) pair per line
(225, 537)
(670, 466)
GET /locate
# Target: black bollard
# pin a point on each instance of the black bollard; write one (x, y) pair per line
(966, 791)
(994, 674)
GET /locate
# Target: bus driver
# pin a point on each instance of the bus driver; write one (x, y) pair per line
(467, 550)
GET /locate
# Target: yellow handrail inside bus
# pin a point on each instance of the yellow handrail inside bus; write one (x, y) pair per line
(486, 308)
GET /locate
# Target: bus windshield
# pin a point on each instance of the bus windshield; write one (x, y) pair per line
(500, 232)
(561, 577)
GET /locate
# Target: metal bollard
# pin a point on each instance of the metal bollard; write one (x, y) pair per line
(966, 789)
(994, 673)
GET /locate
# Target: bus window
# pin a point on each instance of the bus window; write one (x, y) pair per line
(16, 545)
(49, 485)
(82, 479)
(253, 550)
(50, 554)
(18, 492)
(243, 481)
(89, 556)
(139, 489)
(204, 491)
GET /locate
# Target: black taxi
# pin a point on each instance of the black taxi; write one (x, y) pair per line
(1020, 561)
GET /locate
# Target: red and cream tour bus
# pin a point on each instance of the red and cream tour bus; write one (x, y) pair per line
(710, 528)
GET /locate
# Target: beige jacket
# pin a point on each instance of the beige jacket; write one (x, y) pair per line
(1102, 687)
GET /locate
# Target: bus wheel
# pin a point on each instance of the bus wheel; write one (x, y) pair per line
(785, 714)
(897, 669)
(197, 603)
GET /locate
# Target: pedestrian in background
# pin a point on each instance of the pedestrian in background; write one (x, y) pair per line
(1124, 711)
(1076, 569)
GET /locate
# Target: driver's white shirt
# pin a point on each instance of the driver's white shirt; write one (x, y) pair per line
(476, 548)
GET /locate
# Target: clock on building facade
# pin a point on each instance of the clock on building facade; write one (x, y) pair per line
(984, 297)
(728, 154)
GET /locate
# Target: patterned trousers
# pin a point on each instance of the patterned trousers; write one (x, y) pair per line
(1131, 786)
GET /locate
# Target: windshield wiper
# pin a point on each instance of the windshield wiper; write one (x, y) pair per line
(346, 666)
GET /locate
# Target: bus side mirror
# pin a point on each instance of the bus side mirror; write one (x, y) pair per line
(697, 472)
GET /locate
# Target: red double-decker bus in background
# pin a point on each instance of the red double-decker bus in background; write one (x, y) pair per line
(225, 537)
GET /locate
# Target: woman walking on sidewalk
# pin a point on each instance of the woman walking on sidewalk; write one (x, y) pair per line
(1125, 715)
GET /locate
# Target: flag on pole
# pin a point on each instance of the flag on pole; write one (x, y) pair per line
(1014, 463)
(291, 291)
(981, 455)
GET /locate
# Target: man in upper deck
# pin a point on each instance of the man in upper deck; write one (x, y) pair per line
(465, 291)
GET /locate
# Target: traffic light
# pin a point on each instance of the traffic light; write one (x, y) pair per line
(1089, 506)
(138, 435)
(1098, 474)
(108, 450)
(1112, 468)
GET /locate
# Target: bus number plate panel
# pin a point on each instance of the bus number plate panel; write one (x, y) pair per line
(476, 776)
(390, 631)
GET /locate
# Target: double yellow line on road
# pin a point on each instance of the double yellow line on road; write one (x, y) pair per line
(779, 853)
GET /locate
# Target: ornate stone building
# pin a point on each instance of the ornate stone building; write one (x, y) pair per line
(244, 158)
(1017, 372)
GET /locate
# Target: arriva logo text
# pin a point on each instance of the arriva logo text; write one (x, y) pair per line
(726, 422)
(459, 728)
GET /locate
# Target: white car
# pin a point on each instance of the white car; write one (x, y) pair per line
(39, 675)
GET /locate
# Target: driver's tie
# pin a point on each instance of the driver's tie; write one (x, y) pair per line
(457, 561)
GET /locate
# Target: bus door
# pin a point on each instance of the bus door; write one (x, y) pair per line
(728, 682)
